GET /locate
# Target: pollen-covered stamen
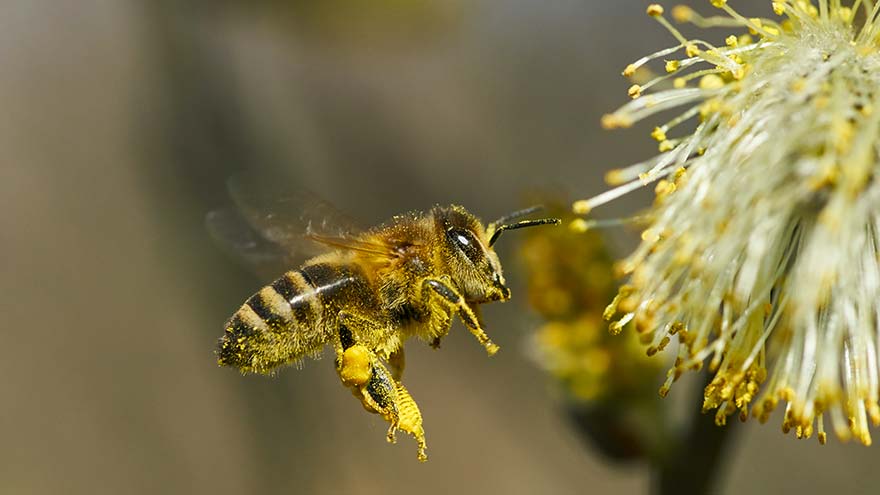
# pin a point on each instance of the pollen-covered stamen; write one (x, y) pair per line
(761, 256)
(631, 69)
(755, 25)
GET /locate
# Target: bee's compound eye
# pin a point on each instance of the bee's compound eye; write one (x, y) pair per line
(465, 241)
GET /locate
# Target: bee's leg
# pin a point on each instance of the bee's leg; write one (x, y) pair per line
(381, 392)
(362, 371)
(410, 419)
(399, 407)
(342, 343)
(397, 361)
(352, 357)
(467, 315)
(392, 401)
(354, 362)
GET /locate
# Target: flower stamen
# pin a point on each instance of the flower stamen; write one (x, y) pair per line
(760, 257)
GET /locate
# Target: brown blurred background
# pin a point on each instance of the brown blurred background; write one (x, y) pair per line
(120, 122)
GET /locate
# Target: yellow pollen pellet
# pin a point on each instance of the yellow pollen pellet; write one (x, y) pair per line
(629, 70)
(679, 82)
(659, 134)
(718, 3)
(665, 146)
(672, 65)
(655, 10)
(691, 50)
(845, 14)
(731, 40)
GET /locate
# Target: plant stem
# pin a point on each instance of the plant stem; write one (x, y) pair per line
(692, 464)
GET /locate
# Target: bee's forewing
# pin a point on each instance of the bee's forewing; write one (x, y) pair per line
(285, 215)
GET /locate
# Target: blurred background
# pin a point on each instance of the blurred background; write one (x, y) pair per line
(121, 120)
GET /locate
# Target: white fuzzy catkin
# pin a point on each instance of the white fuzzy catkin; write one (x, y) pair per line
(762, 253)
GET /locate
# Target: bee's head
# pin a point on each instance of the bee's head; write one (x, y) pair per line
(470, 260)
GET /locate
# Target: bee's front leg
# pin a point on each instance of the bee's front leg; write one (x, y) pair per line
(451, 297)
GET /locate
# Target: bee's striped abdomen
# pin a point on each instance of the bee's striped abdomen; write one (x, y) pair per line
(271, 307)
(275, 326)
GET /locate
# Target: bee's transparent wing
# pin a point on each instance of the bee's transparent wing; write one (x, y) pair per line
(236, 237)
(296, 221)
(290, 217)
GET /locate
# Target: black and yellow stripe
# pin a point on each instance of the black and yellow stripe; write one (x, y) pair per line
(285, 320)
(273, 326)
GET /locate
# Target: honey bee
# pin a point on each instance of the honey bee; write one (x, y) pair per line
(365, 295)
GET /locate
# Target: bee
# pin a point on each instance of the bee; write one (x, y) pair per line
(364, 295)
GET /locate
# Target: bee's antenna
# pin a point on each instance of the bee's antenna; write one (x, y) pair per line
(497, 230)
(516, 215)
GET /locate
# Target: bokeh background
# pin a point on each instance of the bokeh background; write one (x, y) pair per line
(121, 121)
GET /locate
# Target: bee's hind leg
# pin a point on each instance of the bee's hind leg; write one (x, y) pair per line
(347, 320)
(353, 361)
(381, 393)
(362, 371)
(400, 408)
(467, 315)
